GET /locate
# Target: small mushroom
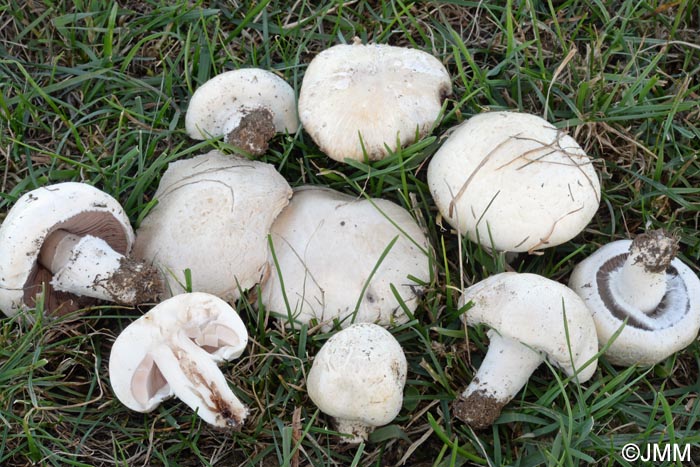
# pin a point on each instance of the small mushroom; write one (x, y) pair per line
(531, 318)
(213, 217)
(327, 245)
(370, 99)
(358, 378)
(72, 241)
(247, 106)
(513, 182)
(174, 349)
(641, 285)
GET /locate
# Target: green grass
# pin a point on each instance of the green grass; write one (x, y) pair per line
(97, 92)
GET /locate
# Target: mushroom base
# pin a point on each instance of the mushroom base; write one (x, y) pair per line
(478, 409)
(357, 430)
(253, 132)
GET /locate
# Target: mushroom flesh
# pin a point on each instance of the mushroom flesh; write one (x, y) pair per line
(174, 349)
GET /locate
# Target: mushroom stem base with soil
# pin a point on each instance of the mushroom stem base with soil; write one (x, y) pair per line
(190, 373)
(88, 266)
(506, 368)
(359, 431)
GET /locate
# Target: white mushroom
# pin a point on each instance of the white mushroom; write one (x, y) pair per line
(531, 318)
(327, 245)
(513, 182)
(368, 99)
(70, 240)
(174, 350)
(213, 216)
(639, 289)
(247, 106)
(358, 378)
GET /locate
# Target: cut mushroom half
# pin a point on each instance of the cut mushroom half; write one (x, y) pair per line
(513, 182)
(639, 289)
(340, 258)
(247, 106)
(358, 378)
(213, 217)
(358, 100)
(72, 241)
(531, 319)
(173, 350)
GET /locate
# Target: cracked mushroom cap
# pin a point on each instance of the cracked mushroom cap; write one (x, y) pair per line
(362, 98)
(77, 208)
(213, 216)
(173, 350)
(327, 245)
(532, 310)
(650, 335)
(358, 378)
(513, 182)
(248, 106)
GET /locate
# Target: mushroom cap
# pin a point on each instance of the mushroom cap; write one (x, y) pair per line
(530, 309)
(207, 320)
(359, 375)
(78, 208)
(373, 96)
(513, 182)
(218, 105)
(213, 216)
(645, 340)
(327, 244)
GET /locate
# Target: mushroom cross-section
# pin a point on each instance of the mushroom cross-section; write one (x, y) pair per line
(174, 350)
(213, 217)
(513, 182)
(531, 319)
(641, 285)
(330, 248)
(358, 378)
(73, 241)
(368, 99)
(247, 106)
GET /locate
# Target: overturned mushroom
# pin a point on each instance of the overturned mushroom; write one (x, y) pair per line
(641, 290)
(213, 216)
(531, 318)
(174, 350)
(358, 378)
(72, 241)
(368, 99)
(247, 106)
(513, 182)
(327, 245)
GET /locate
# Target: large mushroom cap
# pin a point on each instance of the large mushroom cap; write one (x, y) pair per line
(327, 245)
(364, 98)
(531, 318)
(241, 104)
(213, 216)
(78, 208)
(358, 377)
(174, 350)
(513, 182)
(648, 336)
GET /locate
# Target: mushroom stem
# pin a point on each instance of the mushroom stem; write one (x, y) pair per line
(641, 282)
(506, 368)
(251, 130)
(359, 431)
(197, 381)
(88, 266)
